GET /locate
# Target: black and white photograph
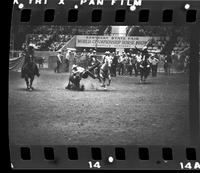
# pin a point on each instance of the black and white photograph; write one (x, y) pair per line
(99, 85)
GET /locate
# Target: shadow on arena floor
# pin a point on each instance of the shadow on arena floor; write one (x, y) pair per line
(25, 89)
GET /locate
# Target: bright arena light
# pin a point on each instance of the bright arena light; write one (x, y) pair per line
(187, 6)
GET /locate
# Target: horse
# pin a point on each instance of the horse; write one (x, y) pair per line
(144, 70)
(105, 73)
(28, 73)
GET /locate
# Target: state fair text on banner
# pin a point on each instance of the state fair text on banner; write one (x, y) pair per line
(112, 41)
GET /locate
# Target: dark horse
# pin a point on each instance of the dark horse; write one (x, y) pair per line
(144, 66)
(29, 71)
(144, 70)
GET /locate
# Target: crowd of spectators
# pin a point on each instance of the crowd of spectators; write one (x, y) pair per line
(161, 31)
(52, 38)
(177, 36)
(48, 42)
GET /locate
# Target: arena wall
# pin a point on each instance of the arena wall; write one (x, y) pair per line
(50, 64)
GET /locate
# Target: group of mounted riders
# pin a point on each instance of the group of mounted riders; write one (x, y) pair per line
(97, 69)
(113, 62)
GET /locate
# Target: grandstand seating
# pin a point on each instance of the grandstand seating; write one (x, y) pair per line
(54, 37)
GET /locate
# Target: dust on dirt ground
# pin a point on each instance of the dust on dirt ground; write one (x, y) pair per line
(127, 113)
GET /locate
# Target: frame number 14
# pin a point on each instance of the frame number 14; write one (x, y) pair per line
(94, 164)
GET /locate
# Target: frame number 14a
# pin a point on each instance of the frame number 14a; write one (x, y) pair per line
(189, 165)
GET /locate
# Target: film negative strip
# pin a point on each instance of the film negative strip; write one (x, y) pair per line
(104, 84)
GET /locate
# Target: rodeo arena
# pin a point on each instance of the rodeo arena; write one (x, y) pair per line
(106, 85)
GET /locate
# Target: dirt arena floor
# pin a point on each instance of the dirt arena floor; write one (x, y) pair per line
(127, 113)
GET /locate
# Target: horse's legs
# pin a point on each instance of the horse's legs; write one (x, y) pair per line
(109, 81)
(169, 70)
(27, 83)
(103, 82)
(98, 77)
(102, 79)
(145, 77)
(31, 82)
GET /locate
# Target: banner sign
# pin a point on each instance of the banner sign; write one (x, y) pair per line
(112, 41)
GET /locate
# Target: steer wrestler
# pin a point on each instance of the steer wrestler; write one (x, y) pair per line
(77, 74)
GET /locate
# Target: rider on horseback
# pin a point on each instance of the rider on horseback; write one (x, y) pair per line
(29, 61)
(105, 68)
(144, 64)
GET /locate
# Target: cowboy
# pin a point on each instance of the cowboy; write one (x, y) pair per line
(93, 57)
(59, 62)
(75, 77)
(105, 68)
(66, 60)
(121, 63)
(29, 57)
(77, 73)
(84, 52)
(134, 62)
(108, 58)
(77, 70)
(124, 62)
(144, 54)
(90, 58)
(144, 69)
(167, 64)
(84, 60)
(154, 64)
(115, 63)
(129, 64)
